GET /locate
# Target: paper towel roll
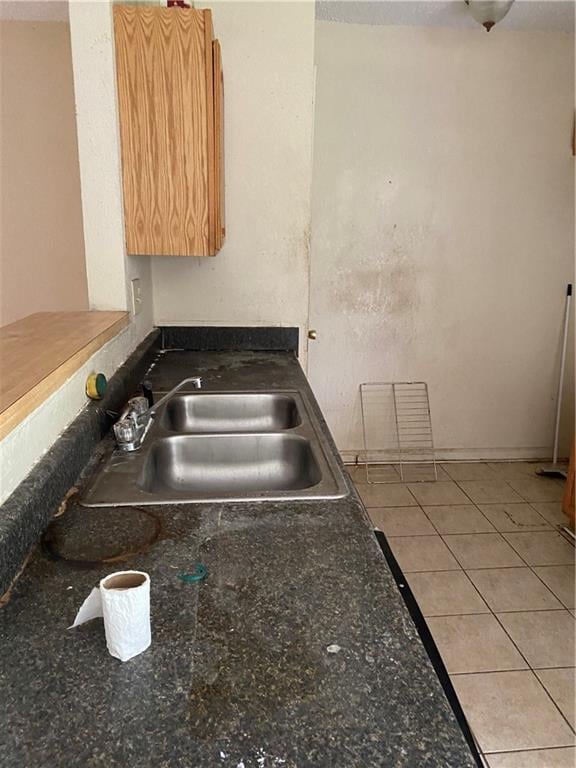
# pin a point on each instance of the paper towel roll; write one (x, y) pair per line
(123, 599)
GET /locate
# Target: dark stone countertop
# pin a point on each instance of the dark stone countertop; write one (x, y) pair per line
(238, 674)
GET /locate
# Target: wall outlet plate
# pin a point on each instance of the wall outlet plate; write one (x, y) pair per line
(136, 296)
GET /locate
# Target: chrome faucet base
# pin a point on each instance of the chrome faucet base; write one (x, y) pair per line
(132, 426)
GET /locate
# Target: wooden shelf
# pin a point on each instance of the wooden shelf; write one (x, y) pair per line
(39, 353)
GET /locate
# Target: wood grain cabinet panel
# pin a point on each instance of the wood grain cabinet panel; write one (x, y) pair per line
(219, 144)
(171, 153)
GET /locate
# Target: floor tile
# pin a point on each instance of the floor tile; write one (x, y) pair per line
(560, 757)
(419, 473)
(438, 493)
(385, 472)
(516, 468)
(513, 589)
(458, 518)
(560, 685)
(560, 579)
(482, 550)
(545, 638)
(538, 488)
(445, 593)
(489, 491)
(470, 471)
(552, 511)
(401, 521)
(386, 495)
(357, 474)
(542, 547)
(511, 710)
(422, 553)
(474, 644)
(514, 517)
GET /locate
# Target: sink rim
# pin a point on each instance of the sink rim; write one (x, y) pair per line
(124, 467)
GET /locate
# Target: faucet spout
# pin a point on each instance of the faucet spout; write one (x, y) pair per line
(149, 413)
(131, 427)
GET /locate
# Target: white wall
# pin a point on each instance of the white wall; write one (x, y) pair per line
(443, 217)
(260, 277)
(109, 268)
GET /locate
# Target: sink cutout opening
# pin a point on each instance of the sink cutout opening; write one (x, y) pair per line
(214, 413)
(211, 466)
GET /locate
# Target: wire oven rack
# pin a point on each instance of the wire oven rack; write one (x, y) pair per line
(397, 432)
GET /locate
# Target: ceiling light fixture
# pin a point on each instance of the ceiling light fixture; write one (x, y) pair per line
(489, 12)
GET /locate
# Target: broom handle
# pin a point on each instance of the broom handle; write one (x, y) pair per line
(562, 366)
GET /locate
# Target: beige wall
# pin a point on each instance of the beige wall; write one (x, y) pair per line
(260, 277)
(442, 228)
(41, 242)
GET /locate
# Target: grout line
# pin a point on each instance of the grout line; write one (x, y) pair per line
(533, 565)
(547, 525)
(478, 592)
(531, 505)
(452, 615)
(554, 595)
(531, 669)
(533, 569)
(475, 533)
(490, 671)
(521, 610)
(532, 749)
(476, 567)
(484, 567)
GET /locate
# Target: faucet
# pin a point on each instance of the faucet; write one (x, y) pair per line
(135, 420)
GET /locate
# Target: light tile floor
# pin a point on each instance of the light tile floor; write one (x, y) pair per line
(495, 580)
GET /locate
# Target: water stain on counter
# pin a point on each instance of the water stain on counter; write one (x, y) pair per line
(88, 538)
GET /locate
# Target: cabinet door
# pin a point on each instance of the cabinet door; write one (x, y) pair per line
(219, 145)
(165, 96)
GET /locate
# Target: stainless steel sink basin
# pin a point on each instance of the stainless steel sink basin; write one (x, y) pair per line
(230, 446)
(201, 465)
(230, 412)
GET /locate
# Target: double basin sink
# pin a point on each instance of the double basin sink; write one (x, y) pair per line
(223, 446)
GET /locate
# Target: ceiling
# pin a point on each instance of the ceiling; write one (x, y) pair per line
(552, 15)
(549, 15)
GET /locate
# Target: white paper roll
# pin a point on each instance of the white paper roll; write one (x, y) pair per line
(123, 599)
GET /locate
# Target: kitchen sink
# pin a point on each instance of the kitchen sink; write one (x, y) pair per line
(223, 446)
(230, 412)
(203, 465)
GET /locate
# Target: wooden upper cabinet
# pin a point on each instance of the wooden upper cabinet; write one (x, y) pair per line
(171, 126)
(219, 143)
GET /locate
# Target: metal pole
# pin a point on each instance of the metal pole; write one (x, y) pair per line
(562, 367)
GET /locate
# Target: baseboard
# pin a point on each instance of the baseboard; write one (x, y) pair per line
(473, 454)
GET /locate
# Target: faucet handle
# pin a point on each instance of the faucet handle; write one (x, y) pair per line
(138, 405)
(125, 431)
